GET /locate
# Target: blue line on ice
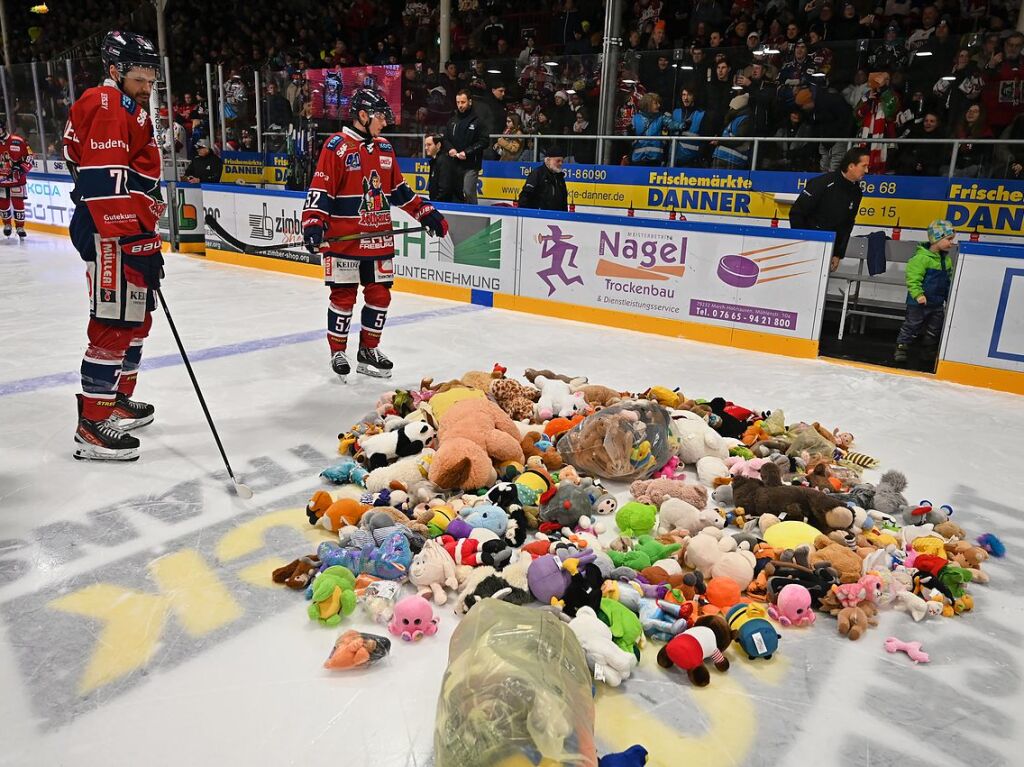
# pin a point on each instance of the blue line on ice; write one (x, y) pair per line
(52, 381)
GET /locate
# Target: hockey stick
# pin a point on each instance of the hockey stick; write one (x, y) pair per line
(252, 248)
(243, 491)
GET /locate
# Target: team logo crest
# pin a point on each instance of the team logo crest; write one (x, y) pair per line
(374, 208)
(352, 162)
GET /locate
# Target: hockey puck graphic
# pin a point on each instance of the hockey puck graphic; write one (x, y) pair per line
(738, 271)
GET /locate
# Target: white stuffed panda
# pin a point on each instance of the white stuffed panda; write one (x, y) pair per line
(408, 439)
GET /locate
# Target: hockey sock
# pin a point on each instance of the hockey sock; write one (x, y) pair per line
(5, 208)
(101, 369)
(133, 357)
(339, 316)
(18, 203)
(377, 299)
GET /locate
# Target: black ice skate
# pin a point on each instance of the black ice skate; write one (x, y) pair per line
(102, 441)
(339, 364)
(372, 363)
(129, 414)
(7, 229)
(22, 233)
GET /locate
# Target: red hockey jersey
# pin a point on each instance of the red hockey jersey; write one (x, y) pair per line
(113, 157)
(15, 160)
(355, 185)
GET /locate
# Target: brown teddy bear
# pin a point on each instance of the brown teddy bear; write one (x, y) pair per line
(843, 560)
(549, 457)
(769, 496)
(472, 436)
(855, 621)
(514, 398)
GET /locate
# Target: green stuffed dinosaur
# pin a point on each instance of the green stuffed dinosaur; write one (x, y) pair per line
(644, 554)
(624, 623)
(636, 518)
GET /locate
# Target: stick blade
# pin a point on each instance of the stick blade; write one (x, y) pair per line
(243, 490)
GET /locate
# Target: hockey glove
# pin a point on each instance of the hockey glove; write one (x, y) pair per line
(140, 253)
(435, 223)
(313, 237)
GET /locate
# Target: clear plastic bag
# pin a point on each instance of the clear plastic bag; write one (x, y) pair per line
(517, 688)
(622, 442)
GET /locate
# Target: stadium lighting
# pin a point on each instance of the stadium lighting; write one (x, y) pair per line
(686, 66)
(737, 87)
(570, 91)
(924, 53)
(629, 82)
(494, 71)
(951, 78)
(817, 74)
(551, 63)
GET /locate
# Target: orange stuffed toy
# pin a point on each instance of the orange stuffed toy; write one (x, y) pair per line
(323, 511)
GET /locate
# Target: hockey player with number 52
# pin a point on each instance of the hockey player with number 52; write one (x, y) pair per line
(356, 183)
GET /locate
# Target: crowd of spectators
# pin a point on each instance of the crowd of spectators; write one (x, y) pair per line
(795, 70)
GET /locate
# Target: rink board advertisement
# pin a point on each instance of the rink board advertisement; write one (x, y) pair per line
(470, 257)
(990, 206)
(190, 216)
(983, 342)
(677, 272)
(48, 201)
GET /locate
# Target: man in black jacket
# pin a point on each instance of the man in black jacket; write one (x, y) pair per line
(831, 202)
(465, 135)
(443, 183)
(545, 186)
(205, 167)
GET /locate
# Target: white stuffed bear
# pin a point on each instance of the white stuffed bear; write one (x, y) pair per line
(677, 514)
(696, 439)
(405, 470)
(609, 662)
(706, 548)
(557, 399)
(710, 468)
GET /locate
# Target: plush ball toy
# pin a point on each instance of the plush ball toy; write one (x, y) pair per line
(790, 535)
(635, 519)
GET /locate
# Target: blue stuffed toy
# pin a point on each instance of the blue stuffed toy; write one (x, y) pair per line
(346, 472)
(634, 756)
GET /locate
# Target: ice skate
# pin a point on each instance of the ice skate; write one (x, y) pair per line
(22, 233)
(129, 414)
(103, 441)
(900, 355)
(339, 364)
(372, 362)
(7, 229)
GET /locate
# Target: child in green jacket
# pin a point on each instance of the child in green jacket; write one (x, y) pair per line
(929, 274)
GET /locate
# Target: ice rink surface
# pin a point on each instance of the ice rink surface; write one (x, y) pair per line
(139, 625)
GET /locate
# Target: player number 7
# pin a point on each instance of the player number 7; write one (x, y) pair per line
(120, 177)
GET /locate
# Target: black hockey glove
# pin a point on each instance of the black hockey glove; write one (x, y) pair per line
(141, 253)
(435, 223)
(313, 237)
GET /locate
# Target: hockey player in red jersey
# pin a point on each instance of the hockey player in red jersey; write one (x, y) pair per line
(356, 183)
(115, 163)
(15, 164)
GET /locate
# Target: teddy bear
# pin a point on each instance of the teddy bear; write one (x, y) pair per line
(514, 398)
(473, 435)
(556, 399)
(656, 491)
(769, 496)
(840, 557)
(608, 662)
(696, 439)
(406, 471)
(537, 444)
(677, 514)
(855, 621)
(712, 471)
(715, 554)
(596, 395)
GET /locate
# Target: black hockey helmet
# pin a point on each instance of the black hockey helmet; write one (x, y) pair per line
(126, 50)
(370, 101)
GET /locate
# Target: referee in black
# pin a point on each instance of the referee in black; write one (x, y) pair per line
(830, 202)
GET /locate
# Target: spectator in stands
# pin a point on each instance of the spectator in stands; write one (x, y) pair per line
(1003, 96)
(277, 116)
(172, 129)
(661, 79)
(687, 122)
(583, 151)
(972, 159)
(443, 181)
(923, 159)
(205, 167)
(831, 202)
(248, 142)
(1008, 159)
(466, 138)
(527, 113)
(717, 96)
(877, 115)
(449, 80)
(649, 122)
(891, 54)
(511, 144)
(561, 115)
(763, 92)
(733, 154)
(795, 154)
(855, 92)
(490, 108)
(545, 188)
(797, 70)
(961, 88)
(921, 35)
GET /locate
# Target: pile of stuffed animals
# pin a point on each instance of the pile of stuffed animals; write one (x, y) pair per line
(734, 528)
